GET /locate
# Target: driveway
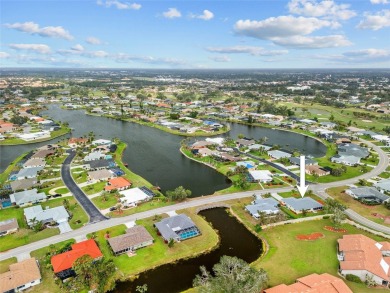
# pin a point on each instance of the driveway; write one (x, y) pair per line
(92, 211)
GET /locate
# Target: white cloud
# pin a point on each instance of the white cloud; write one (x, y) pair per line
(47, 31)
(326, 9)
(206, 15)
(96, 54)
(93, 41)
(38, 48)
(317, 42)
(119, 5)
(172, 13)
(281, 26)
(220, 58)
(359, 56)
(380, 1)
(126, 58)
(4, 55)
(78, 47)
(252, 50)
(375, 21)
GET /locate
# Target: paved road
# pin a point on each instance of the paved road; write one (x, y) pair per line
(92, 211)
(318, 189)
(80, 233)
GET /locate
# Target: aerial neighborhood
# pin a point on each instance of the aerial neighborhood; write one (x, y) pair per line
(122, 179)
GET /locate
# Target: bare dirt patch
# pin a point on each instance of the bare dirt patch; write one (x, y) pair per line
(310, 237)
(333, 229)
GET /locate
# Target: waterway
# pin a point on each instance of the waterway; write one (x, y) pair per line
(154, 154)
(236, 240)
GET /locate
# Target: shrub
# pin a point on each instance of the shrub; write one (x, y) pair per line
(353, 278)
(326, 217)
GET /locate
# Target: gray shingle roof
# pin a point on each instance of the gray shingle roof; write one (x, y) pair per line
(369, 192)
(300, 204)
(268, 205)
(383, 184)
(27, 196)
(169, 226)
(134, 236)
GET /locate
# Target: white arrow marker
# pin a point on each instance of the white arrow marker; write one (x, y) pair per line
(302, 188)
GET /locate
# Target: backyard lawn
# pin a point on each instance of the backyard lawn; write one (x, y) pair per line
(4, 265)
(102, 204)
(289, 258)
(94, 188)
(364, 210)
(158, 253)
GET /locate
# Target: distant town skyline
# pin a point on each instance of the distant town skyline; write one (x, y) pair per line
(195, 34)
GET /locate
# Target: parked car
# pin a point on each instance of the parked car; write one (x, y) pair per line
(112, 209)
(57, 195)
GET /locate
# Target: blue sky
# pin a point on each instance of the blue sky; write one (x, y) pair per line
(195, 34)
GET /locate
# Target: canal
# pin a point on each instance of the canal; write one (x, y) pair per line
(235, 240)
(154, 154)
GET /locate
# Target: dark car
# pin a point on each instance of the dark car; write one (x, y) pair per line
(57, 195)
(112, 209)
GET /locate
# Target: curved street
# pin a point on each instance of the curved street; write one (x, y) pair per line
(100, 225)
(92, 211)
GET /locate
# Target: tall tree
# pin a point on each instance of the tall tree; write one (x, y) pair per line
(179, 193)
(231, 275)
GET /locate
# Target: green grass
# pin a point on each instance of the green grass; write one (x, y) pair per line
(158, 253)
(55, 160)
(156, 202)
(62, 190)
(79, 177)
(364, 210)
(51, 185)
(94, 188)
(48, 284)
(299, 258)
(104, 204)
(53, 134)
(4, 265)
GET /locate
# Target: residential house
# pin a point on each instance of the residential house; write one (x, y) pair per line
(100, 175)
(268, 206)
(21, 276)
(8, 226)
(329, 125)
(259, 146)
(36, 213)
(246, 164)
(102, 142)
(178, 228)
(42, 154)
(298, 205)
(297, 161)
(93, 156)
(99, 164)
(383, 185)
(276, 154)
(367, 194)
(316, 170)
(314, 283)
(26, 173)
(364, 257)
(23, 184)
(62, 263)
(118, 183)
(345, 160)
(351, 149)
(34, 162)
(133, 196)
(263, 176)
(24, 197)
(76, 141)
(135, 238)
(204, 152)
(245, 142)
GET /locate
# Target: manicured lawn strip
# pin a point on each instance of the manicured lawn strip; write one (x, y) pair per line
(62, 190)
(51, 185)
(4, 265)
(25, 236)
(159, 253)
(384, 175)
(156, 202)
(79, 177)
(48, 284)
(56, 160)
(104, 204)
(364, 210)
(13, 212)
(94, 188)
(4, 176)
(299, 258)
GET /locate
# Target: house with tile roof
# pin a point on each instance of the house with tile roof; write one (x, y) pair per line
(21, 276)
(117, 183)
(62, 263)
(135, 237)
(365, 258)
(313, 283)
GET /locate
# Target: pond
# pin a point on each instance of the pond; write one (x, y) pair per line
(236, 240)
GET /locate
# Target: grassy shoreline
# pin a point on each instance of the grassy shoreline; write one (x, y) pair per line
(17, 141)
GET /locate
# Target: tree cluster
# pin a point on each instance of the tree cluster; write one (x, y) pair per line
(179, 194)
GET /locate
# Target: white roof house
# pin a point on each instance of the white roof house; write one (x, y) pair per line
(261, 175)
(94, 156)
(27, 196)
(102, 142)
(276, 154)
(57, 214)
(133, 196)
